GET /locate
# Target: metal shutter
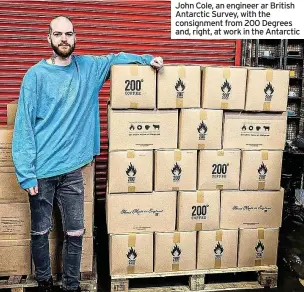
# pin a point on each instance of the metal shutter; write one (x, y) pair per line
(102, 27)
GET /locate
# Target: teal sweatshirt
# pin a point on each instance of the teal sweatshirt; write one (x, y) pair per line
(57, 128)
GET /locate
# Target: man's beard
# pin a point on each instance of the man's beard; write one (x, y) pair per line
(63, 54)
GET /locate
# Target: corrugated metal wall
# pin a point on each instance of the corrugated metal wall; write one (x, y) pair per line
(102, 27)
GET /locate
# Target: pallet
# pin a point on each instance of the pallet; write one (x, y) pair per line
(197, 280)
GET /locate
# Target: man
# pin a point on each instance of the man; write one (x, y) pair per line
(56, 133)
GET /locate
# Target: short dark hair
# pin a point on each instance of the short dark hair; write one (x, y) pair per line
(60, 16)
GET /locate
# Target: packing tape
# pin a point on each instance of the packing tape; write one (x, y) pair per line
(264, 155)
(199, 197)
(133, 105)
(226, 72)
(217, 263)
(181, 71)
(219, 235)
(130, 154)
(266, 106)
(201, 146)
(130, 269)
(176, 237)
(177, 155)
(258, 263)
(179, 103)
(198, 226)
(261, 233)
(203, 114)
(219, 187)
(132, 240)
(220, 153)
(175, 267)
(269, 75)
(134, 70)
(292, 73)
(131, 189)
(224, 105)
(261, 185)
(175, 188)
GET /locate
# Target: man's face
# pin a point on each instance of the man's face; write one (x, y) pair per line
(62, 37)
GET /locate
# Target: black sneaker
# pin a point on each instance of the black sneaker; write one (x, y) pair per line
(46, 285)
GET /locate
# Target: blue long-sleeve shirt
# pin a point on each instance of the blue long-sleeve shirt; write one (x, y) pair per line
(57, 126)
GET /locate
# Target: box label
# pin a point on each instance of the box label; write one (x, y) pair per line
(133, 87)
(202, 130)
(199, 212)
(144, 128)
(255, 129)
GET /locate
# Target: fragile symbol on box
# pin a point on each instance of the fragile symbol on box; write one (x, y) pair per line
(202, 130)
(218, 251)
(176, 171)
(226, 90)
(176, 252)
(259, 250)
(180, 87)
(131, 173)
(131, 255)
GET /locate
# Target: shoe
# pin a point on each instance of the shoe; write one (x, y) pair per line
(73, 290)
(46, 285)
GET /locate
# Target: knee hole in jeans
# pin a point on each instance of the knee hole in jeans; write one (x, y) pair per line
(75, 233)
(43, 232)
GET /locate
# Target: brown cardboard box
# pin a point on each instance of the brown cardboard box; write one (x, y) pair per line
(219, 169)
(261, 170)
(175, 170)
(258, 247)
(6, 136)
(267, 90)
(15, 221)
(141, 212)
(254, 131)
(86, 264)
(10, 191)
(131, 253)
(15, 257)
(88, 174)
(200, 129)
(198, 210)
(179, 87)
(175, 251)
(133, 86)
(135, 129)
(217, 249)
(130, 171)
(251, 209)
(11, 112)
(224, 87)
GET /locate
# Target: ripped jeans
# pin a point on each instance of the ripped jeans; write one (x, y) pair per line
(68, 190)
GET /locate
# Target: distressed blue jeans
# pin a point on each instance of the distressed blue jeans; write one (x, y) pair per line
(68, 190)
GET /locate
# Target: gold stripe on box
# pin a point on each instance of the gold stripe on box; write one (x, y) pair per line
(199, 197)
(175, 188)
(224, 105)
(177, 155)
(219, 187)
(220, 152)
(130, 269)
(130, 154)
(198, 226)
(264, 154)
(261, 233)
(226, 73)
(217, 263)
(179, 103)
(134, 70)
(133, 105)
(269, 75)
(203, 114)
(258, 263)
(176, 237)
(261, 185)
(175, 267)
(181, 71)
(131, 240)
(266, 106)
(201, 146)
(131, 189)
(219, 235)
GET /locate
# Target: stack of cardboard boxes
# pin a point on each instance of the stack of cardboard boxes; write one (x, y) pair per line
(15, 217)
(194, 167)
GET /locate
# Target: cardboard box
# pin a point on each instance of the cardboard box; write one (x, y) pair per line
(56, 246)
(130, 171)
(198, 210)
(251, 209)
(261, 170)
(258, 247)
(219, 169)
(10, 191)
(88, 174)
(6, 136)
(179, 87)
(131, 253)
(254, 131)
(141, 212)
(11, 112)
(267, 90)
(133, 86)
(224, 87)
(175, 170)
(142, 129)
(15, 257)
(175, 251)
(15, 221)
(200, 129)
(217, 249)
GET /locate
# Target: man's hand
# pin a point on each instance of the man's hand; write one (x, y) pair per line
(33, 191)
(157, 63)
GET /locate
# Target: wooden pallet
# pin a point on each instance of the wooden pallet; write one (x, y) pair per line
(265, 277)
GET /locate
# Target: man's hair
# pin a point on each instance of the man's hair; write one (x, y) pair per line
(60, 16)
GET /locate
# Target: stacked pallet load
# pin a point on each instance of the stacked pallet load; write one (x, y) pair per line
(195, 157)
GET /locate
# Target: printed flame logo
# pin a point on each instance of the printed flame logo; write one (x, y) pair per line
(131, 170)
(176, 170)
(131, 255)
(180, 86)
(218, 250)
(262, 169)
(260, 247)
(202, 128)
(176, 251)
(226, 88)
(268, 91)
